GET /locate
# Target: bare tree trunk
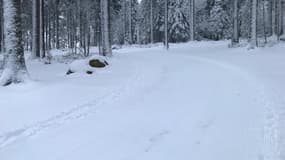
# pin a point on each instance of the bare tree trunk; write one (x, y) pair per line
(36, 29)
(282, 12)
(49, 27)
(2, 29)
(264, 21)
(151, 21)
(254, 12)
(130, 23)
(15, 68)
(57, 24)
(166, 25)
(88, 40)
(106, 47)
(42, 29)
(138, 34)
(192, 20)
(235, 39)
(273, 19)
(125, 21)
(280, 19)
(109, 23)
(99, 33)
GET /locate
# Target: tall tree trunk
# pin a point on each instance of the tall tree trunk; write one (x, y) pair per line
(264, 21)
(138, 37)
(105, 30)
(235, 38)
(280, 19)
(192, 20)
(109, 23)
(125, 21)
(273, 18)
(42, 29)
(151, 21)
(57, 24)
(15, 68)
(2, 28)
(99, 32)
(254, 12)
(130, 23)
(49, 45)
(166, 25)
(283, 12)
(36, 29)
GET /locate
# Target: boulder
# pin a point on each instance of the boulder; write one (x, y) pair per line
(89, 72)
(69, 72)
(97, 63)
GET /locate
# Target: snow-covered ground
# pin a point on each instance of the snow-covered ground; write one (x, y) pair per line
(199, 101)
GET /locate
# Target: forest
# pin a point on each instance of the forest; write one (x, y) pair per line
(142, 79)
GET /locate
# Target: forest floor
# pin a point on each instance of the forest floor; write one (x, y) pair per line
(199, 101)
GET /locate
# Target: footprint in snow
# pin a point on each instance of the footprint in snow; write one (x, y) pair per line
(156, 139)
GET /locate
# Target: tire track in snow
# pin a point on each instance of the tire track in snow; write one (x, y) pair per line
(275, 126)
(80, 111)
(271, 147)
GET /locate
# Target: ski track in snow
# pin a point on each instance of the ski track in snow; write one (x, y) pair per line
(80, 111)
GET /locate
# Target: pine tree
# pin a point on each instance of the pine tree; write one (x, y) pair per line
(145, 22)
(179, 26)
(219, 21)
(126, 23)
(245, 19)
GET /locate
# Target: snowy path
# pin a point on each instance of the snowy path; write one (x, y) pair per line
(168, 106)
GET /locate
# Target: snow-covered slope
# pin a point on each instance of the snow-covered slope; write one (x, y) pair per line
(199, 101)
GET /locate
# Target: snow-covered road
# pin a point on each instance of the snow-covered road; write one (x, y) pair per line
(149, 105)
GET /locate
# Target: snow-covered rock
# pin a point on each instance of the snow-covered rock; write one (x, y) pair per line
(88, 66)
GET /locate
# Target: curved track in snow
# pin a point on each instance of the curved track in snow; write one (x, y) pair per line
(172, 106)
